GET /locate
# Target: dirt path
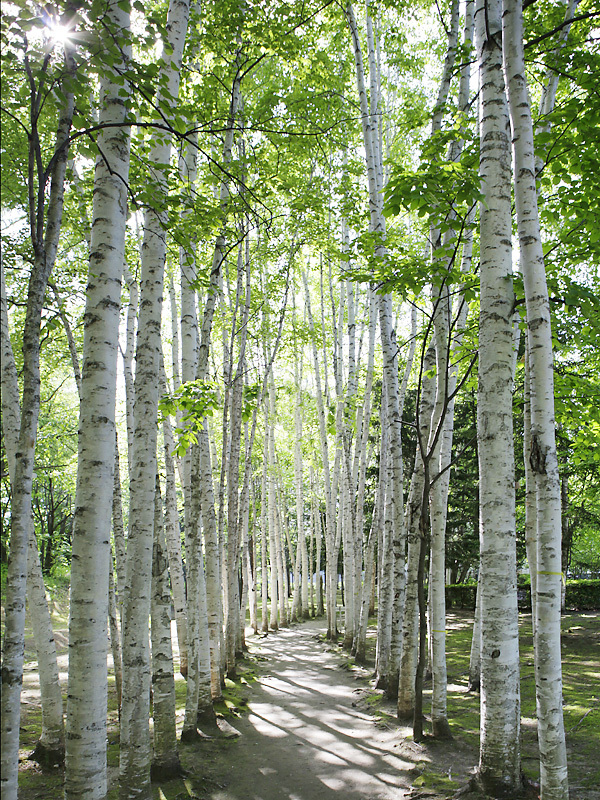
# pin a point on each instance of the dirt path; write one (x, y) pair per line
(304, 736)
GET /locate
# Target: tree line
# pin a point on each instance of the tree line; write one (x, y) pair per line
(375, 232)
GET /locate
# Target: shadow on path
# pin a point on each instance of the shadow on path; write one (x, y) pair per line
(302, 738)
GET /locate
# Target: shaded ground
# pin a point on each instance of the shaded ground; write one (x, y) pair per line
(312, 728)
(309, 732)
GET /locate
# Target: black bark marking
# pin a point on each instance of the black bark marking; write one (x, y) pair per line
(537, 457)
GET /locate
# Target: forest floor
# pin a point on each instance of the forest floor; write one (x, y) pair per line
(302, 722)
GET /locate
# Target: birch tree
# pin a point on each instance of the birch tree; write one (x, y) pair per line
(499, 757)
(394, 521)
(135, 734)
(50, 748)
(165, 761)
(542, 454)
(46, 195)
(86, 770)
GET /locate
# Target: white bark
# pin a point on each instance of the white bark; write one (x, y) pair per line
(86, 700)
(499, 755)
(300, 580)
(362, 452)
(394, 511)
(213, 561)
(331, 552)
(165, 761)
(530, 493)
(440, 444)
(115, 635)
(45, 229)
(320, 610)
(119, 532)
(173, 544)
(264, 523)
(394, 522)
(128, 354)
(198, 695)
(252, 565)
(475, 657)
(543, 454)
(51, 745)
(135, 733)
(235, 434)
(412, 516)
(273, 533)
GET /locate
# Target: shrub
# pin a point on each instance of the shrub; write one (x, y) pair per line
(461, 595)
(581, 595)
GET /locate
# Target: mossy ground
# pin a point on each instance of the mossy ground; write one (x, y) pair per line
(581, 706)
(435, 775)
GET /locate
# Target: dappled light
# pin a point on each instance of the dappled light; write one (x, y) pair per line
(304, 737)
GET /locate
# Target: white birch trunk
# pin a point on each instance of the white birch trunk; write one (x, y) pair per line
(273, 534)
(198, 694)
(252, 566)
(474, 684)
(86, 711)
(50, 748)
(207, 506)
(384, 577)
(165, 761)
(264, 523)
(135, 753)
(440, 444)
(300, 580)
(128, 354)
(173, 545)
(499, 756)
(362, 453)
(543, 454)
(388, 668)
(394, 510)
(233, 462)
(530, 493)
(213, 562)
(115, 635)
(331, 553)
(119, 532)
(414, 507)
(45, 230)
(86, 708)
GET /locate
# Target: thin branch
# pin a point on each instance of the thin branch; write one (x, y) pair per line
(562, 25)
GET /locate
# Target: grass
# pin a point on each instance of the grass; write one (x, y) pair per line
(581, 702)
(581, 689)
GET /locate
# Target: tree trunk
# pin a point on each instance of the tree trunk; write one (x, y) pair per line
(45, 230)
(115, 635)
(499, 768)
(165, 761)
(474, 684)
(331, 573)
(135, 753)
(264, 524)
(543, 454)
(50, 749)
(173, 545)
(414, 507)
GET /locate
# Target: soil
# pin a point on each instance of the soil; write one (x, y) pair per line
(302, 722)
(313, 729)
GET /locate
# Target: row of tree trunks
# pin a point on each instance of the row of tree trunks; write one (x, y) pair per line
(45, 217)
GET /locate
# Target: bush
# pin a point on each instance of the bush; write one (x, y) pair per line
(581, 595)
(461, 595)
